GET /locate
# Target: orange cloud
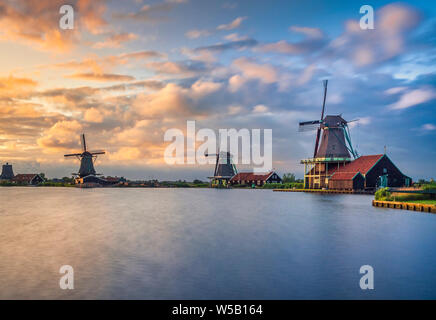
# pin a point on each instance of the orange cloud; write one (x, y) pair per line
(12, 85)
(169, 67)
(62, 135)
(262, 72)
(91, 13)
(36, 22)
(96, 66)
(93, 115)
(101, 77)
(115, 41)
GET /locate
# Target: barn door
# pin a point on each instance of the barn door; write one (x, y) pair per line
(384, 181)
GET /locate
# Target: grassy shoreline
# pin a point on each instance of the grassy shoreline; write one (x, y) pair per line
(385, 195)
(427, 201)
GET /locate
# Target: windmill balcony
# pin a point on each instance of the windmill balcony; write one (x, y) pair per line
(333, 159)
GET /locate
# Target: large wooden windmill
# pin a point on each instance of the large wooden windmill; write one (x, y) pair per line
(87, 159)
(334, 151)
(224, 169)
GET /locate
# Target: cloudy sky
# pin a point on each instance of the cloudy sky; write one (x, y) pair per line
(130, 70)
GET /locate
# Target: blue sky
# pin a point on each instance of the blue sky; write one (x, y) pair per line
(130, 70)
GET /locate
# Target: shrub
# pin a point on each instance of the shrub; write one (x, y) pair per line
(430, 186)
(297, 185)
(55, 184)
(272, 186)
(240, 186)
(291, 185)
(201, 185)
(383, 194)
(5, 183)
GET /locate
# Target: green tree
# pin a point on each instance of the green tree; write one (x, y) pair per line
(288, 178)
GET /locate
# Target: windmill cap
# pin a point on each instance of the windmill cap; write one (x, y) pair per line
(333, 120)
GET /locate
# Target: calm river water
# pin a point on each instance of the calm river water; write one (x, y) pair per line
(210, 244)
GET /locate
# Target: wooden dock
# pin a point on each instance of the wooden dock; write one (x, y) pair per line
(405, 206)
(324, 191)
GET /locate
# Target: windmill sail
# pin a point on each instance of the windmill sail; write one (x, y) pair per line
(318, 132)
(97, 152)
(83, 142)
(309, 125)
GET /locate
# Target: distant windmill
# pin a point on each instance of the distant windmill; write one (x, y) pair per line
(7, 172)
(87, 159)
(224, 168)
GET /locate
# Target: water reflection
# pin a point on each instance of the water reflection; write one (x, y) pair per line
(203, 243)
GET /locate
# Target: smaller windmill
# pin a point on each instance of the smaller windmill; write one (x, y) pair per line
(87, 159)
(7, 172)
(224, 169)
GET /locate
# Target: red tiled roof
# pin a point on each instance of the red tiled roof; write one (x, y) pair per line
(343, 175)
(24, 177)
(361, 164)
(251, 176)
(112, 179)
(332, 170)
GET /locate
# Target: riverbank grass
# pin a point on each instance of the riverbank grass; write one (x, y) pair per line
(385, 195)
(428, 201)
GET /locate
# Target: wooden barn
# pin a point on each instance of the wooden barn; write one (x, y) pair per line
(347, 181)
(368, 173)
(250, 178)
